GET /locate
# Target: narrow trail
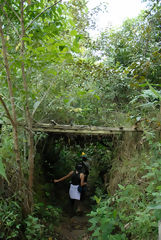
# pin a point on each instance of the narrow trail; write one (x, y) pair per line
(74, 228)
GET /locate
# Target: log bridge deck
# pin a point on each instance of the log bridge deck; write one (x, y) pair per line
(81, 129)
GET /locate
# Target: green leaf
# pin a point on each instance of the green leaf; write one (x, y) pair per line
(96, 233)
(73, 33)
(121, 187)
(68, 56)
(66, 100)
(154, 91)
(97, 199)
(96, 96)
(93, 221)
(52, 71)
(36, 105)
(71, 22)
(114, 213)
(154, 207)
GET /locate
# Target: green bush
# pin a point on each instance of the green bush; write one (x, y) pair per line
(34, 229)
(48, 213)
(36, 226)
(134, 210)
(10, 219)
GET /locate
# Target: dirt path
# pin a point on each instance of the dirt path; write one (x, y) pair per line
(74, 228)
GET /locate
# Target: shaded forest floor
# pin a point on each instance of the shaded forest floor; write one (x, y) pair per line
(75, 227)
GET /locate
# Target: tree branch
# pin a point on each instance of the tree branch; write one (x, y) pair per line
(14, 12)
(45, 94)
(43, 97)
(7, 111)
(6, 63)
(10, 22)
(41, 100)
(41, 14)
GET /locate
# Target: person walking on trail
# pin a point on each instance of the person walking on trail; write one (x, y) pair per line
(77, 182)
(86, 173)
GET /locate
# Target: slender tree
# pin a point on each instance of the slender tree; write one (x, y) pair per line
(13, 117)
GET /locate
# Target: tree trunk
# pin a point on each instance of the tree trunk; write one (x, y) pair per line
(13, 117)
(28, 115)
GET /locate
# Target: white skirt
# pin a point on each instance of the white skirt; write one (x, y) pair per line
(73, 192)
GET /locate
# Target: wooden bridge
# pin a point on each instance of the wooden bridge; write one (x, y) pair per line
(81, 129)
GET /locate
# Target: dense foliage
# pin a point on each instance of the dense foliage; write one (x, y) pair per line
(73, 79)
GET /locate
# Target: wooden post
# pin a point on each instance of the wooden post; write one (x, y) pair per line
(159, 230)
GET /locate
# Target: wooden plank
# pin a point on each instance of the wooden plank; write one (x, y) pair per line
(71, 131)
(76, 127)
(81, 129)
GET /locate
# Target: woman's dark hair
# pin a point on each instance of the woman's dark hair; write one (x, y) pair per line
(84, 158)
(79, 167)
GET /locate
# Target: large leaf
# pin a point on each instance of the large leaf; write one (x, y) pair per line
(154, 207)
(154, 91)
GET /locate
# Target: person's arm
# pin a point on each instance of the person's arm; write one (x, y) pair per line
(82, 180)
(63, 178)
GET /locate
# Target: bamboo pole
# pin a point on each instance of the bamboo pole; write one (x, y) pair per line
(81, 129)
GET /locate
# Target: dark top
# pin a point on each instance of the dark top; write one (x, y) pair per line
(76, 178)
(86, 172)
(85, 177)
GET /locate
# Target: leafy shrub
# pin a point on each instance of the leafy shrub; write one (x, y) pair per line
(134, 210)
(36, 226)
(34, 229)
(48, 213)
(10, 219)
(104, 220)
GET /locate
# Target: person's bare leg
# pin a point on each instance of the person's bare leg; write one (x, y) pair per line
(77, 205)
(72, 202)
